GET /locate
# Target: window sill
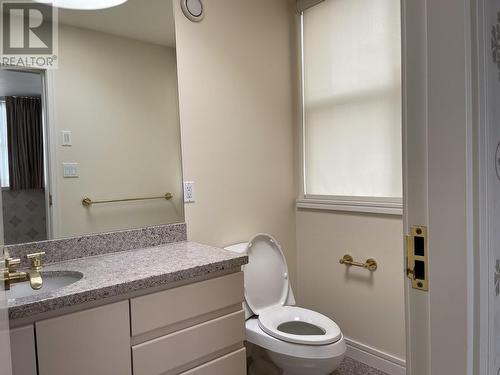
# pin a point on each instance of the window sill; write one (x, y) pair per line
(371, 206)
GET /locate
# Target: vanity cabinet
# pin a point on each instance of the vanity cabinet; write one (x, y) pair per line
(194, 329)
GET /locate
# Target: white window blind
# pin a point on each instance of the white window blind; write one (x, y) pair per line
(4, 151)
(352, 98)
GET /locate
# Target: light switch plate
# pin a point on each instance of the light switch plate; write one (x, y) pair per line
(66, 138)
(188, 191)
(70, 170)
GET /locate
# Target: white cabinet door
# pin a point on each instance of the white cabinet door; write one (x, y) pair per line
(22, 341)
(95, 341)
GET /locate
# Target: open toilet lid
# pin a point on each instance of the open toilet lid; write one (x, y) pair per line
(266, 274)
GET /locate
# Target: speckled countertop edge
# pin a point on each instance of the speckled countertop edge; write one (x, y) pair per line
(125, 272)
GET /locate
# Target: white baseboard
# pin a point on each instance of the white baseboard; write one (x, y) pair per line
(375, 358)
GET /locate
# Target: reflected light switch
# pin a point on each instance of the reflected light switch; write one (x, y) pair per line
(66, 138)
(70, 170)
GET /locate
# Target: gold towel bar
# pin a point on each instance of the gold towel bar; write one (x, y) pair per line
(370, 264)
(87, 202)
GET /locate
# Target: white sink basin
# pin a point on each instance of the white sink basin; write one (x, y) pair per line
(51, 281)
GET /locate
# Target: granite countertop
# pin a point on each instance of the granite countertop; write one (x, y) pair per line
(121, 273)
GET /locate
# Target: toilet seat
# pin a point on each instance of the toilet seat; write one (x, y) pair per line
(266, 274)
(299, 326)
(255, 335)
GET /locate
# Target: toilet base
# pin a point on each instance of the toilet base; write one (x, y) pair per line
(268, 354)
(300, 366)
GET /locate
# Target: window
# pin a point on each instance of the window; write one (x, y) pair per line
(4, 151)
(352, 100)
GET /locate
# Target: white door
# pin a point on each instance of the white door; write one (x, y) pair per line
(438, 182)
(493, 204)
(415, 172)
(490, 151)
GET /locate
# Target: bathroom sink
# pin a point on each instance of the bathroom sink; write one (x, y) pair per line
(51, 281)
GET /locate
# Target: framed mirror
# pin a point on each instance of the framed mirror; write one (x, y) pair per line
(94, 145)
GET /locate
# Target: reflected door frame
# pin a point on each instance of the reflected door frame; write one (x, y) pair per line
(2, 238)
(49, 138)
(49, 143)
(51, 189)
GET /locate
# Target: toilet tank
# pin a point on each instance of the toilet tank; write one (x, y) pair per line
(241, 248)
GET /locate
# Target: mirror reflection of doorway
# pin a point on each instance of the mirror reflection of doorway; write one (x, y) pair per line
(22, 169)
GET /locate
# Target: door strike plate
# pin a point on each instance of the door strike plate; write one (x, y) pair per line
(416, 257)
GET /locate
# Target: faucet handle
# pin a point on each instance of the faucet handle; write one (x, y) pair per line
(12, 263)
(4, 278)
(5, 252)
(36, 260)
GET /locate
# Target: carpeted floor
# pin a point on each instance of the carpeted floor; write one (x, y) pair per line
(351, 367)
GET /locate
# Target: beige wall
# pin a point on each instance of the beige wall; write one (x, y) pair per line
(236, 106)
(369, 307)
(236, 84)
(119, 98)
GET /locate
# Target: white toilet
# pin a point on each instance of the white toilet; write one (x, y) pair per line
(297, 340)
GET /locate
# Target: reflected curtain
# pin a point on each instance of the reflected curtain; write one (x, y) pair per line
(4, 149)
(25, 142)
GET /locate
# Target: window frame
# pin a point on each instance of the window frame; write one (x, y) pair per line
(359, 204)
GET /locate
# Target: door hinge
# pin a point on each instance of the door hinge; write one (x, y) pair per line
(417, 257)
(50, 200)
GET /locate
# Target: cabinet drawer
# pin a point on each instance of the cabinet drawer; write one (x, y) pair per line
(188, 345)
(231, 364)
(171, 306)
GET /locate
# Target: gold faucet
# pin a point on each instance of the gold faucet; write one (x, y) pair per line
(11, 275)
(34, 276)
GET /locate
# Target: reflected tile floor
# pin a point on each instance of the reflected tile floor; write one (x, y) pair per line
(351, 367)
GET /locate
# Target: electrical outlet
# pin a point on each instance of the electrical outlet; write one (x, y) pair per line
(188, 191)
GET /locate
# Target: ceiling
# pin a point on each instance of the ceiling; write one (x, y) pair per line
(14, 83)
(150, 21)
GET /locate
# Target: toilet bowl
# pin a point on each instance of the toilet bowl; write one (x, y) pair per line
(297, 340)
